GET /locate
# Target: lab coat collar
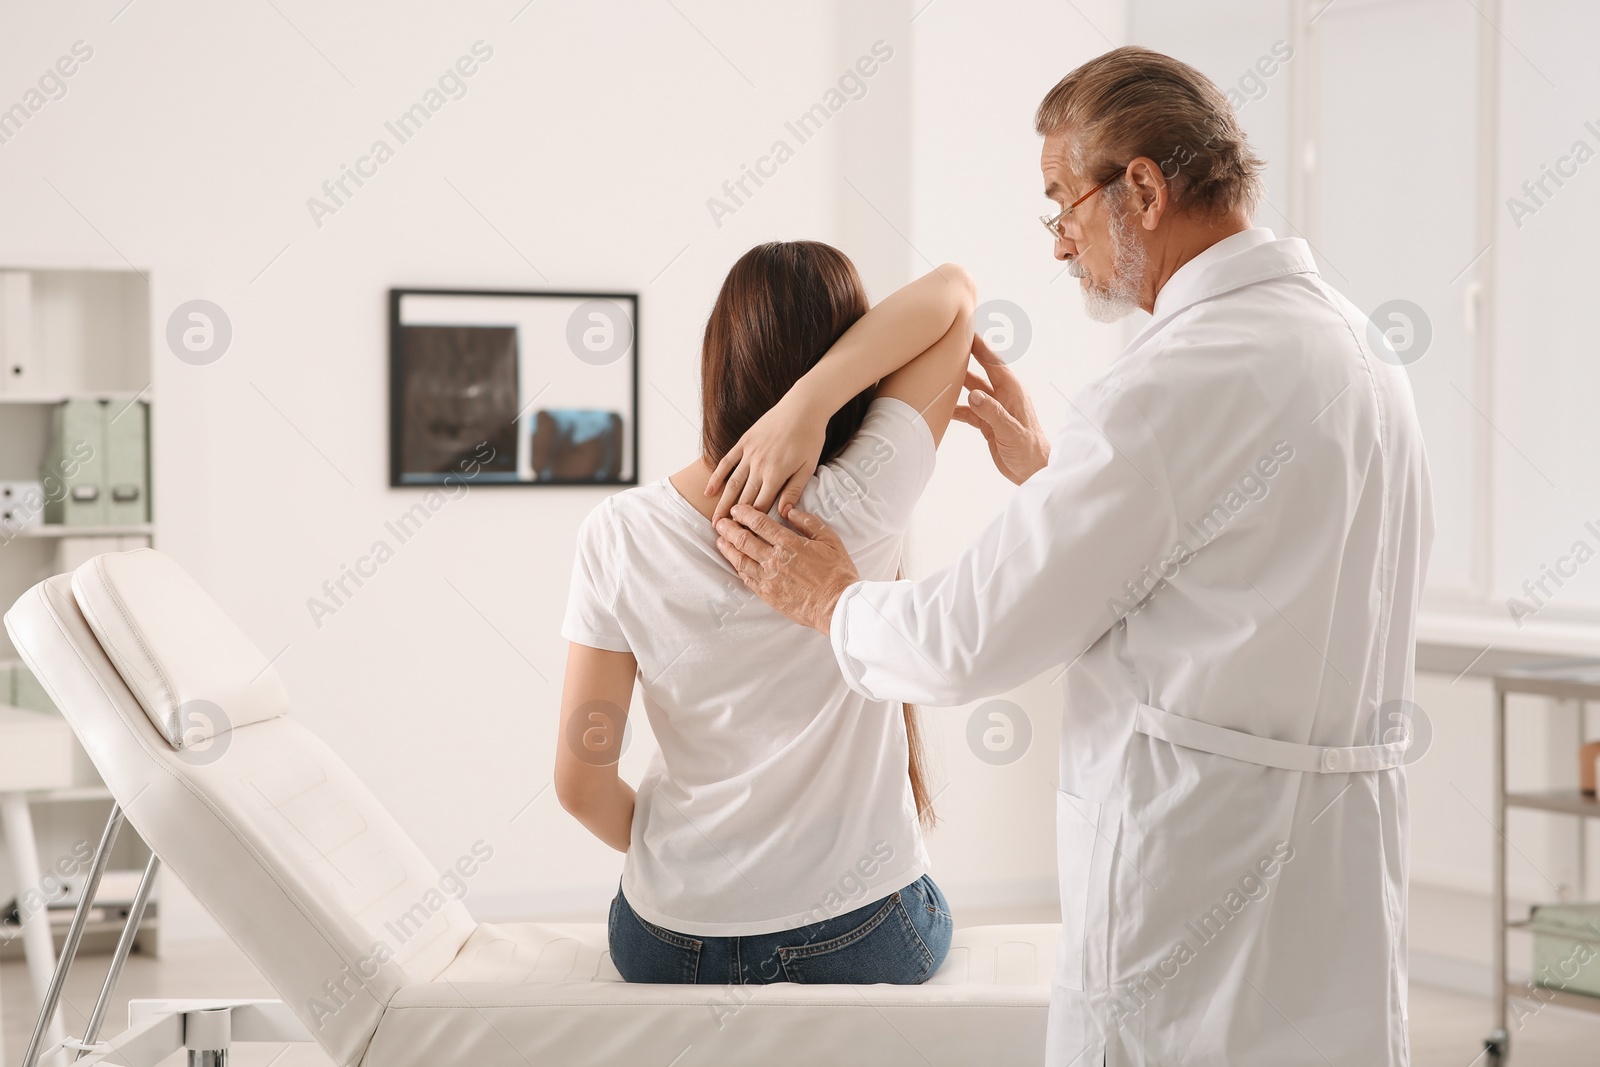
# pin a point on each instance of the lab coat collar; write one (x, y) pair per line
(1247, 257)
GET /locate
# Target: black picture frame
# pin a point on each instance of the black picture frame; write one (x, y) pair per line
(400, 478)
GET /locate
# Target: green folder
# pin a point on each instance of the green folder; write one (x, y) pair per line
(127, 467)
(1566, 947)
(28, 693)
(74, 465)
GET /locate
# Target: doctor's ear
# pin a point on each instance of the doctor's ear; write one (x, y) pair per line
(1150, 190)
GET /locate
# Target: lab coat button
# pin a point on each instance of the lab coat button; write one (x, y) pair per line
(1330, 760)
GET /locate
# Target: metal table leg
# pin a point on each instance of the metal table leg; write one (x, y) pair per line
(1499, 1040)
(1583, 823)
(36, 941)
(130, 931)
(69, 948)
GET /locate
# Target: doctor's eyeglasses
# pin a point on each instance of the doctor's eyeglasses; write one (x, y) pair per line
(1057, 223)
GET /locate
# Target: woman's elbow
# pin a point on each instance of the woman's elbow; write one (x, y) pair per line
(575, 792)
(963, 289)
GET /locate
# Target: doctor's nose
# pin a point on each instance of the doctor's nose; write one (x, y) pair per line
(1065, 249)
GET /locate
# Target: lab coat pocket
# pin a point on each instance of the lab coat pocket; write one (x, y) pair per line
(1077, 827)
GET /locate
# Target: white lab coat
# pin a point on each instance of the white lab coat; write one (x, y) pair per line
(1227, 547)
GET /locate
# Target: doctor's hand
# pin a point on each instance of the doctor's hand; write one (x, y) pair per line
(800, 574)
(1003, 412)
(773, 461)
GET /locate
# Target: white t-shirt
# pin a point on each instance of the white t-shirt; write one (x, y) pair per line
(779, 798)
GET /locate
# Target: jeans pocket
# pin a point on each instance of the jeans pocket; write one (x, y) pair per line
(645, 952)
(884, 948)
(934, 925)
(932, 899)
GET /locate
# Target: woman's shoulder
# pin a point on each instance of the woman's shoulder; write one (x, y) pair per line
(610, 511)
(891, 431)
(639, 506)
(867, 491)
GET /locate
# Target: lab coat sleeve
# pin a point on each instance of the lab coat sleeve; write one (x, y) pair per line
(1077, 546)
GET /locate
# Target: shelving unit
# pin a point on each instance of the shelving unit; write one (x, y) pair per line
(77, 792)
(68, 335)
(99, 935)
(47, 399)
(1577, 680)
(143, 529)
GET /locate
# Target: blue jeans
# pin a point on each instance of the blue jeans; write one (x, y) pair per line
(901, 939)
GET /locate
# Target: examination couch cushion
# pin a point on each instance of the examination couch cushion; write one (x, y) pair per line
(521, 993)
(191, 668)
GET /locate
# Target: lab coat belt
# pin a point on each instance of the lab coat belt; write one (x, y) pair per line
(1265, 751)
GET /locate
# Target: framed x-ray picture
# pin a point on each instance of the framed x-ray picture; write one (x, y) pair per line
(510, 388)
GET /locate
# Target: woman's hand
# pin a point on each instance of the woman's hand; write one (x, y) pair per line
(1003, 412)
(773, 460)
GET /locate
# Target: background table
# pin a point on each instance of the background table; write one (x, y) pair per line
(35, 754)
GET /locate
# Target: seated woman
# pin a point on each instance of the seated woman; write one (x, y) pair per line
(777, 835)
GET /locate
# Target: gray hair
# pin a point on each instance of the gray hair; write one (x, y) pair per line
(1133, 102)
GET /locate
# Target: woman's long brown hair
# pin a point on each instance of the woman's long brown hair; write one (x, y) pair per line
(782, 306)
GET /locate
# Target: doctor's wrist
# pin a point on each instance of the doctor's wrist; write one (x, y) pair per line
(1041, 456)
(828, 602)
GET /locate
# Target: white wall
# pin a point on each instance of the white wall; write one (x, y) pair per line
(981, 70)
(582, 156)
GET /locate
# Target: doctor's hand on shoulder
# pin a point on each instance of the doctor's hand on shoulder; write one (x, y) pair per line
(1000, 408)
(802, 575)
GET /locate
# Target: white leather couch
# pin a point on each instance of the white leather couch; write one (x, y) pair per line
(188, 723)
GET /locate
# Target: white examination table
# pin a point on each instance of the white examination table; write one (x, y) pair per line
(187, 722)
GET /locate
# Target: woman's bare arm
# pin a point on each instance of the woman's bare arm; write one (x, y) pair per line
(914, 343)
(594, 712)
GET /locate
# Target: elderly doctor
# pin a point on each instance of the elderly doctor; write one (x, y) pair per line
(1224, 547)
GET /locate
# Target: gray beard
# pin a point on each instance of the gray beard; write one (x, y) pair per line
(1114, 300)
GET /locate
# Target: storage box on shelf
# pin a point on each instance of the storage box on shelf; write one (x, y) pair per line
(75, 410)
(1566, 947)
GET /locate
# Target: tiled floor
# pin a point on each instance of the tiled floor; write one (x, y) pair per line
(1447, 1029)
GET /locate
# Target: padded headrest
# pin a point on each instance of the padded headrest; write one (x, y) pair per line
(194, 672)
